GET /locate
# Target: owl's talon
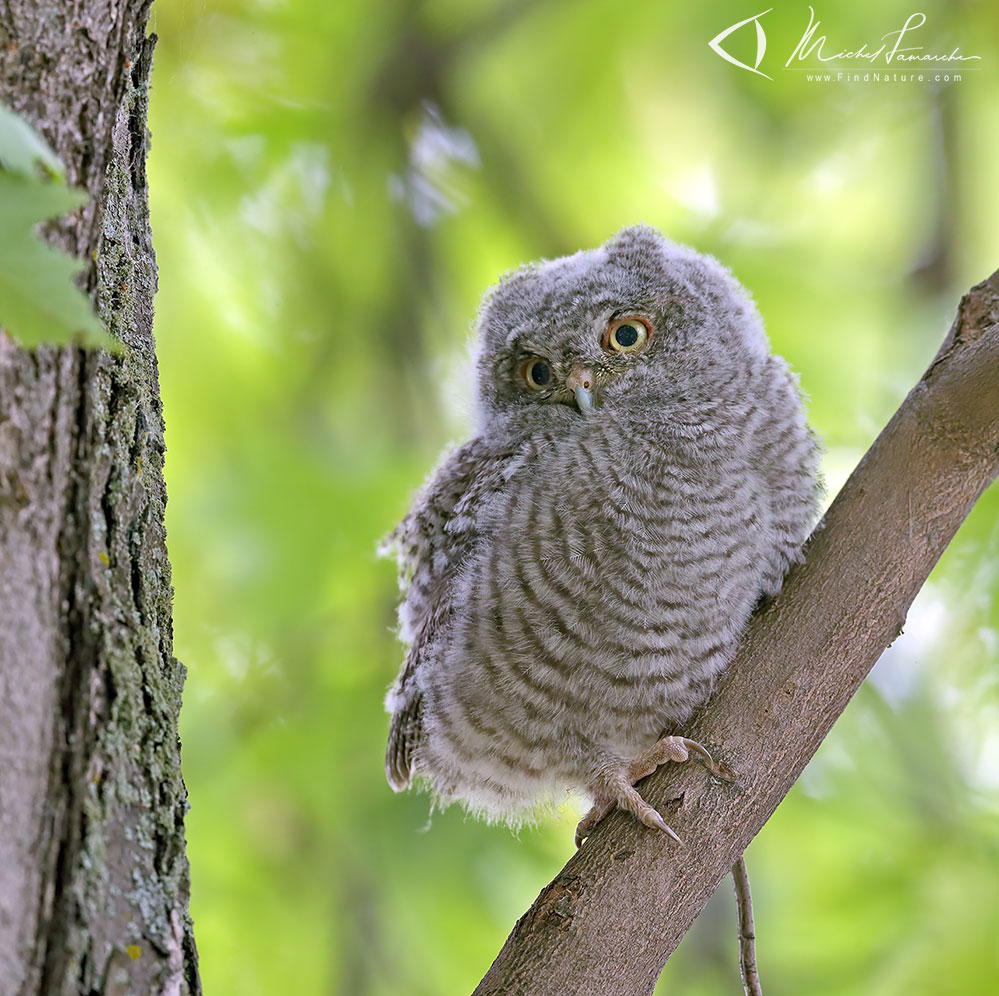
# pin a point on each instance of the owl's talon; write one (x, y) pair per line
(654, 820)
(692, 746)
(719, 770)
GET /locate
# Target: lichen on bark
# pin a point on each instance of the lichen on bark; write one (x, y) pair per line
(93, 873)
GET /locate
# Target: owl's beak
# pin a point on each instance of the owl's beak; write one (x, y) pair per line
(580, 382)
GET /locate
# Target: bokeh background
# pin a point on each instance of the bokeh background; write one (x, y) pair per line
(333, 186)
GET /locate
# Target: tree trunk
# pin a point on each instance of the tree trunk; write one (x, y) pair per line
(93, 874)
(607, 923)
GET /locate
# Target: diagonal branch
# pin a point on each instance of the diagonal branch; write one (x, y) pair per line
(613, 915)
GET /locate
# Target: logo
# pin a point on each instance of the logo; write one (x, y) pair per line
(761, 43)
(866, 62)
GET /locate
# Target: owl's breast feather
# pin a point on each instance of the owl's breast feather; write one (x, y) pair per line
(613, 580)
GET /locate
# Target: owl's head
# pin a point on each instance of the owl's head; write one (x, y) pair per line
(638, 322)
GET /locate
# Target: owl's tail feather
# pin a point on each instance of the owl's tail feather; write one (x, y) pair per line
(404, 734)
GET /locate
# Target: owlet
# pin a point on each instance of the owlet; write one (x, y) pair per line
(577, 574)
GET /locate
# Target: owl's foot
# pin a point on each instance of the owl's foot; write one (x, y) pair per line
(617, 787)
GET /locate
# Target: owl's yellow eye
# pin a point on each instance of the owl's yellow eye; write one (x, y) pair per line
(537, 373)
(627, 335)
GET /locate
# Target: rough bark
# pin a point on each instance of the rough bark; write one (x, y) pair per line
(612, 916)
(93, 874)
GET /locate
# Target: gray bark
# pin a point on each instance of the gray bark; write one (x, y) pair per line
(93, 873)
(612, 916)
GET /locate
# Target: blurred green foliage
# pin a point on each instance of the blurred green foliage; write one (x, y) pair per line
(333, 186)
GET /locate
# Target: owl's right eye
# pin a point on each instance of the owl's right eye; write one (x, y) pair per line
(537, 373)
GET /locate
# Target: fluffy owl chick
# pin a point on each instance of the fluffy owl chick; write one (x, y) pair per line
(577, 574)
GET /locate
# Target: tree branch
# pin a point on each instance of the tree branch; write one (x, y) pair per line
(609, 920)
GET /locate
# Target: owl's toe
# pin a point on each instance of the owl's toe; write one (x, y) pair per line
(600, 808)
(678, 750)
(630, 799)
(626, 797)
(617, 788)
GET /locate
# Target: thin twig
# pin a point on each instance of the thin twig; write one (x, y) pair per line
(747, 932)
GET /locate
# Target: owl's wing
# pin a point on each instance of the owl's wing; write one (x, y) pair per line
(787, 457)
(433, 543)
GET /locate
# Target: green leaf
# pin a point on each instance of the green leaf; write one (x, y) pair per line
(21, 147)
(25, 201)
(39, 301)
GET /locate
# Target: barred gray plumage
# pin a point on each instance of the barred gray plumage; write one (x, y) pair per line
(577, 574)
